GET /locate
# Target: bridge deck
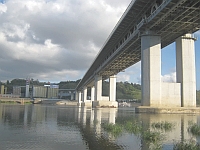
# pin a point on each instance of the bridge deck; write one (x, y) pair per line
(168, 18)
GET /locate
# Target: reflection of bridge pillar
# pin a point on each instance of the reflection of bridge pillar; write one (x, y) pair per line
(112, 115)
(179, 131)
(185, 64)
(84, 113)
(112, 92)
(25, 114)
(79, 115)
(91, 117)
(97, 121)
(151, 70)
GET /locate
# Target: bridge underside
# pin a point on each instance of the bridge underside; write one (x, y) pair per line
(168, 19)
(172, 22)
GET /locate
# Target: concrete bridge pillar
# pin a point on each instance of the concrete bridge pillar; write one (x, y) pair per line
(99, 100)
(79, 98)
(72, 95)
(98, 88)
(92, 93)
(85, 94)
(151, 69)
(112, 92)
(86, 102)
(76, 97)
(185, 69)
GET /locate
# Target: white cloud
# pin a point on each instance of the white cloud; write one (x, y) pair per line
(15, 30)
(131, 74)
(123, 77)
(171, 77)
(54, 40)
(3, 8)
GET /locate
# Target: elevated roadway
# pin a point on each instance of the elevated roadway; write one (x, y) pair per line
(170, 19)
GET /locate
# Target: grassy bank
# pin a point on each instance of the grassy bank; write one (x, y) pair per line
(15, 101)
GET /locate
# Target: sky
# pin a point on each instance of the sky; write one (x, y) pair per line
(57, 40)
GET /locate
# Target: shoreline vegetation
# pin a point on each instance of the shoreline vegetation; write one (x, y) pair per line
(153, 135)
(15, 101)
(124, 90)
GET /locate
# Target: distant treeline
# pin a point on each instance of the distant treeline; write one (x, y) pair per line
(125, 90)
(22, 82)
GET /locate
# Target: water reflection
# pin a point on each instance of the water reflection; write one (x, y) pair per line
(63, 127)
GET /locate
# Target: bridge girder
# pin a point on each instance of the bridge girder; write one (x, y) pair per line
(171, 19)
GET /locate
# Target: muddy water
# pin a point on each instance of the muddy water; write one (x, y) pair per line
(51, 127)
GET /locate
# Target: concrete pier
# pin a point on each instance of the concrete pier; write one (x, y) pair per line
(157, 96)
(151, 69)
(79, 98)
(98, 88)
(141, 37)
(185, 69)
(102, 101)
(163, 97)
(112, 90)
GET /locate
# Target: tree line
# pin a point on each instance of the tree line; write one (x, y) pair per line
(125, 90)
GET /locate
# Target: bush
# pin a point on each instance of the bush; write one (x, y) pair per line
(167, 126)
(186, 145)
(194, 129)
(114, 129)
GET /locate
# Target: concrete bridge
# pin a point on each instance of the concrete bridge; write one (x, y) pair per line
(145, 28)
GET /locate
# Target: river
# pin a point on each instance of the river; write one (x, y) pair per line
(53, 127)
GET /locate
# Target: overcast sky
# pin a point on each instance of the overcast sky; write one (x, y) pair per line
(57, 40)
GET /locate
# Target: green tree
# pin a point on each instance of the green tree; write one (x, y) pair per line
(68, 84)
(198, 97)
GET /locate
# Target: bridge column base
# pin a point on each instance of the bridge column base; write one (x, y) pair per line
(89, 104)
(79, 103)
(110, 104)
(167, 110)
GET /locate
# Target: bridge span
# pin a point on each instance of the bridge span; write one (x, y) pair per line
(144, 29)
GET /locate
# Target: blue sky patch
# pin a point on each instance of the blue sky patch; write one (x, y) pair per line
(2, 1)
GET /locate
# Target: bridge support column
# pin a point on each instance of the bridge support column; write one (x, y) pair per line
(72, 96)
(98, 88)
(76, 97)
(85, 94)
(185, 69)
(85, 101)
(112, 92)
(79, 98)
(151, 69)
(92, 93)
(99, 100)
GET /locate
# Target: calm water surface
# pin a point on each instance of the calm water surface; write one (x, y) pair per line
(51, 127)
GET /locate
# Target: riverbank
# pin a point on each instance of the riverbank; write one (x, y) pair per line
(16, 100)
